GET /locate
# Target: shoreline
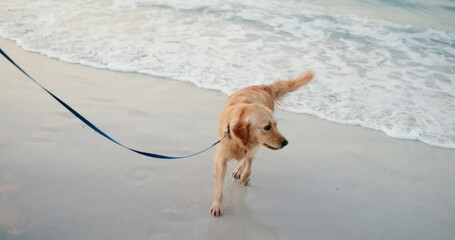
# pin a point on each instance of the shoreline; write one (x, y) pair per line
(449, 146)
(59, 180)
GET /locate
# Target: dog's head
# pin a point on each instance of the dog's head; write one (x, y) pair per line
(255, 124)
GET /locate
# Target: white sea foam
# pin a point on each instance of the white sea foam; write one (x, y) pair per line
(393, 78)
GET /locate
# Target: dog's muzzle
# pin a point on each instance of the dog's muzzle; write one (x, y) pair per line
(284, 142)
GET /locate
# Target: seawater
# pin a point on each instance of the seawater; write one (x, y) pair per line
(388, 65)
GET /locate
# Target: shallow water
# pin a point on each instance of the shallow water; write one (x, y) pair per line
(387, 65)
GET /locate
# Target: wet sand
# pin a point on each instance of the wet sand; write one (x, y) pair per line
(61, 180)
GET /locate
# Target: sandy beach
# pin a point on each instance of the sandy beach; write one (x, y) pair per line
(61, 180)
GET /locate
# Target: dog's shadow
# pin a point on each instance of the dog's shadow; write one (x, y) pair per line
(238, 220)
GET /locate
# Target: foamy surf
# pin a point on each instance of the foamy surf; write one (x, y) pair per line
(395, 78)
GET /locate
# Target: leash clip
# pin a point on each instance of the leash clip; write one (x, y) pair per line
(227, 132)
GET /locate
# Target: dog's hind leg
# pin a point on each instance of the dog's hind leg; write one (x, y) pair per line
(239, 169)
(245, 177)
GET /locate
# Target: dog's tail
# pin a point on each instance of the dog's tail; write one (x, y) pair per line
(281, 87)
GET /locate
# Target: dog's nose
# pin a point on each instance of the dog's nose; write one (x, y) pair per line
(284, 143)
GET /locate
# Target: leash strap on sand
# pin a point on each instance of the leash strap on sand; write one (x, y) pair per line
(95, 128)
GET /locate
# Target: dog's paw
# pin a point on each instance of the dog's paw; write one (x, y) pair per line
(236, 174)
(216, 210)
(244, 180)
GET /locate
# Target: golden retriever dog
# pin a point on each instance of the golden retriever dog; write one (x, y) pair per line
(246, 123)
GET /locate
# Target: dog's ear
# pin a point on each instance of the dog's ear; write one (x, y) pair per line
(242, 130)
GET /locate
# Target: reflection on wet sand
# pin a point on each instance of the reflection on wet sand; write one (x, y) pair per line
(9, 218)
(238, 220)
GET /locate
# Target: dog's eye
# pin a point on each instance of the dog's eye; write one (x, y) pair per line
(268, 127)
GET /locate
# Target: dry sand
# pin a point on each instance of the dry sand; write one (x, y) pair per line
(61, 180)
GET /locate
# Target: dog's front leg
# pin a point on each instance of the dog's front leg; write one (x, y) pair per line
(220, 171)
(245, 177)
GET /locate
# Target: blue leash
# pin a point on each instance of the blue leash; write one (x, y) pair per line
(95, 128)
